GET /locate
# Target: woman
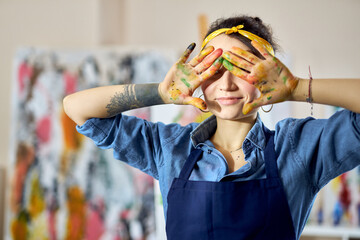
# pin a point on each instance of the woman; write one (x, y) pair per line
(229, 177)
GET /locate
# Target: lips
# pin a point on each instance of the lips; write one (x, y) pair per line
(228, 100)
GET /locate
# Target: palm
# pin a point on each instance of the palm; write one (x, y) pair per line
(273, 79)
(185, 81)
(183, 78)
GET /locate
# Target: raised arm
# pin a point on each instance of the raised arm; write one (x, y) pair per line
(104, 102)
(177, 87)
(277, 84)
(336, 92)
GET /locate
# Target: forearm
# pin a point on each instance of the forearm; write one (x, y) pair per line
(108, 101)
(343, 93)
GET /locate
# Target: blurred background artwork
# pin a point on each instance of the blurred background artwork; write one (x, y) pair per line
(62, 186)
(338, 203)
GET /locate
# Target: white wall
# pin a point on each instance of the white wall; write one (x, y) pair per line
(321, 33)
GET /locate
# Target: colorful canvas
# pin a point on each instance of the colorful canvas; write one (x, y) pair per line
(61, 185)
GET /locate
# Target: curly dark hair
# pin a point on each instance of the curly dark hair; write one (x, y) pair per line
(251, 24)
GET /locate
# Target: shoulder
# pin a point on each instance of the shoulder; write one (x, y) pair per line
(343, 120)
(314, 143)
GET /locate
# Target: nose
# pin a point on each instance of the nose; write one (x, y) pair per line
(226, 82)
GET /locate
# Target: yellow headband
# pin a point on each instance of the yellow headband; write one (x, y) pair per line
(246, 34)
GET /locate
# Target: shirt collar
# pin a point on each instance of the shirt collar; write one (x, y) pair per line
(207, 128)
(203, 131)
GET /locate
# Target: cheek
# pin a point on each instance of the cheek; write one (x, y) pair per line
(251, 90)
(206, 87)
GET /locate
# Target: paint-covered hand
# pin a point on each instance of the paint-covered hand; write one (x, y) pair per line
(183, 78)
(273, 79)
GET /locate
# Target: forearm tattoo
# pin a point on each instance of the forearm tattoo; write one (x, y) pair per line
(134, 96)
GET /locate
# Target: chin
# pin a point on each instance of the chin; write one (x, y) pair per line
(235, 116)
(232, 112)
(229, 115)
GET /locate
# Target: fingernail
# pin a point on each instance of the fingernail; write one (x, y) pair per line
(246, 109)
(218, 61)
(207, 50)
(226, 54)
(191, 46)
(219, 50)
(203, 106)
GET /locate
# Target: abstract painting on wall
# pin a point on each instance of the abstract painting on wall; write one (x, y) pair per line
(61, 186)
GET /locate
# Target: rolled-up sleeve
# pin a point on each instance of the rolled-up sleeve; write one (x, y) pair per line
(134, 141)
(324, 148)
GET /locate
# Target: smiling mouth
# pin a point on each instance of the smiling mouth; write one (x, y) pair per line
(228, 100)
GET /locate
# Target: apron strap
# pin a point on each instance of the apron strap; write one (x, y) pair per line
(190, 163)
(270, 155)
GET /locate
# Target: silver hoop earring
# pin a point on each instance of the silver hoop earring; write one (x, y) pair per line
(267, 111)
(204, 111)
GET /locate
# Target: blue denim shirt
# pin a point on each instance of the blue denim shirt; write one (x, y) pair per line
(310, 152)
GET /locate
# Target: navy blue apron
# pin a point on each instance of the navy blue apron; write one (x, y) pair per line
(227, 210)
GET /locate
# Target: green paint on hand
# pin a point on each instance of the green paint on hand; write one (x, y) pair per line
(219, 60)
(183, 69)
(284, 79)
(185, 82)
(227, 55)
(228, 65)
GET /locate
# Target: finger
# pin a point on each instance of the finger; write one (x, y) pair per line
(187, 53)
(237, 61)
(197, 102)
(212, 69)
(235, 70)
(261, 49)
(196, 60)
(266, 98)
(246, 55)
(261, 101)
(208, 61)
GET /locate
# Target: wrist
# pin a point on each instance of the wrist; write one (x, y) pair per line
(162, 95)
(300, 92)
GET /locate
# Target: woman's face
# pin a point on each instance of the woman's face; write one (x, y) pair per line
(225, 94)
